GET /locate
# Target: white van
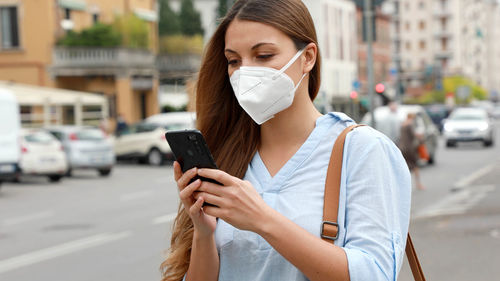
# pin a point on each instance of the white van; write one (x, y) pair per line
(10, 125)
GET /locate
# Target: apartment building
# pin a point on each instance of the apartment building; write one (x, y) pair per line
(447, 37)
(335, 22)
(29, 54)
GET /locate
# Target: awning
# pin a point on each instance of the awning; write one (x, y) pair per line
(38, 96)
(147, 15)
(73, 4)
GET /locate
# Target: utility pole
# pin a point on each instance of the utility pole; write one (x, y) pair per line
(368, 13)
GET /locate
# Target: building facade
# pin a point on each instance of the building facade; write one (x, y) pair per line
(29, 52)
(335, 22)
(445, 38)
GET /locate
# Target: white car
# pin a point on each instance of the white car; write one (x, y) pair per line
(143, 141)
(174, 120)
(468, 124)
(86, 148)
(42, 154)
(10, 125)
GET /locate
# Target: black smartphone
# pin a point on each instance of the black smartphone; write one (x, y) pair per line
(191, 150)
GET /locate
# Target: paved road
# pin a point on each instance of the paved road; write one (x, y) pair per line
(89, 228)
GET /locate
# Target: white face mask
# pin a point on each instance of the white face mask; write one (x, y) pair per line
(264, 91)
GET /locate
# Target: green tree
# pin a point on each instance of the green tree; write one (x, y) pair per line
(169, 21)
(190, 19)
(223, 7)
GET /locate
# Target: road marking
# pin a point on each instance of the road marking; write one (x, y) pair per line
(165, 219)
(135, 195)
(456, 203)
(59, 250)
(465, 181)
(27, 218)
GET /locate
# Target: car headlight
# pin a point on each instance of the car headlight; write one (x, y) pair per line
(483, 127)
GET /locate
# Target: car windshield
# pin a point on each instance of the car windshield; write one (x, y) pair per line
(39, 137)
(91, 135)
(468, 116)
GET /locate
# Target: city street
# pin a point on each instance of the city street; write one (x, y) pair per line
(88, 228)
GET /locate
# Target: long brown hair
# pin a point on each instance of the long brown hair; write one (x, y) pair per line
(231, 134)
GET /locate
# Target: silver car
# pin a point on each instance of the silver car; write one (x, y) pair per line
(468, 124)
(86, 148)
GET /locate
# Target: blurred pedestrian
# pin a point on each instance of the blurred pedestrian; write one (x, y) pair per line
(254, 105)
(390, 125)
(408, 144)
(121, 125)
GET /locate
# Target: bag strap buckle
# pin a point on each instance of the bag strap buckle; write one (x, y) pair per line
(323, 229)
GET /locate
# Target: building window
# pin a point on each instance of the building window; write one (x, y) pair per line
(421, 5)
(407, 6)
(9, 27)
(422, 45)
(407, 26)
(408, 45)
(67, 14)
(95, 18)
(421, 25)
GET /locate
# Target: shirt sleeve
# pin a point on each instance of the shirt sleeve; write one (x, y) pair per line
(377, 208)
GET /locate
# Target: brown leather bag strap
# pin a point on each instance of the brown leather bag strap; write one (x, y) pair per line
(329, 226)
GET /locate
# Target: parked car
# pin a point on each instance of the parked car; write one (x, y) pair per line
(423, 124)
(144, 142)
(496, 112)
(10, 125)
(42, 154)
(468, 124)
(86, 148)
(174, 120)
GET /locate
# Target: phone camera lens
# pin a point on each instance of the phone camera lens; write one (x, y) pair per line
(192, 137)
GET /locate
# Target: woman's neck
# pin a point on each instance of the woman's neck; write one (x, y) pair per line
(291, 127)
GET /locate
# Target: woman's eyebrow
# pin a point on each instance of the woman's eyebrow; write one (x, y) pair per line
(253, 48)
(260, 44)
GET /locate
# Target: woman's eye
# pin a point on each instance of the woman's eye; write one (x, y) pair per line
(263, 57)
(232, 62)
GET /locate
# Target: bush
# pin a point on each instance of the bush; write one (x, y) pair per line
(134, 31)
(181, 44)
(99, 35)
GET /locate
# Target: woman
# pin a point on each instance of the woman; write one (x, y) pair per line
(259, 76)
(408, 143)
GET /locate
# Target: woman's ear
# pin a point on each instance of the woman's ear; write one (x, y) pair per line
(310, 54)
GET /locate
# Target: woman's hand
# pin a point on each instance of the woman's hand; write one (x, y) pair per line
(237, 201)
(204, 225)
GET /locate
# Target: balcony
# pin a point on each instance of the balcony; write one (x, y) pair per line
(442, 34)
(81, 61)
(443, 54)
(442, 12)
(174, 66)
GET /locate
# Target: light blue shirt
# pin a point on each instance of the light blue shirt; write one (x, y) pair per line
(374, 206)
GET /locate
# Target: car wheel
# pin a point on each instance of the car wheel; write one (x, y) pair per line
(431, 160)
(104, 172)
(450, 144)
(69, 173)
(55, 178)
(488, 143)
(155, 157)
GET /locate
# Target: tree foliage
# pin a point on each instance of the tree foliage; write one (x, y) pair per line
(190, 19)
(98, 35)
(134, 31)
(169, 21)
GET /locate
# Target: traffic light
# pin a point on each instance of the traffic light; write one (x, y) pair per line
(380, 89)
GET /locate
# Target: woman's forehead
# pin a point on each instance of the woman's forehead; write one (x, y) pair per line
(246, 34)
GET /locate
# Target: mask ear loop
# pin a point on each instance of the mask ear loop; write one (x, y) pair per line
(284, 68)
(300, 81)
